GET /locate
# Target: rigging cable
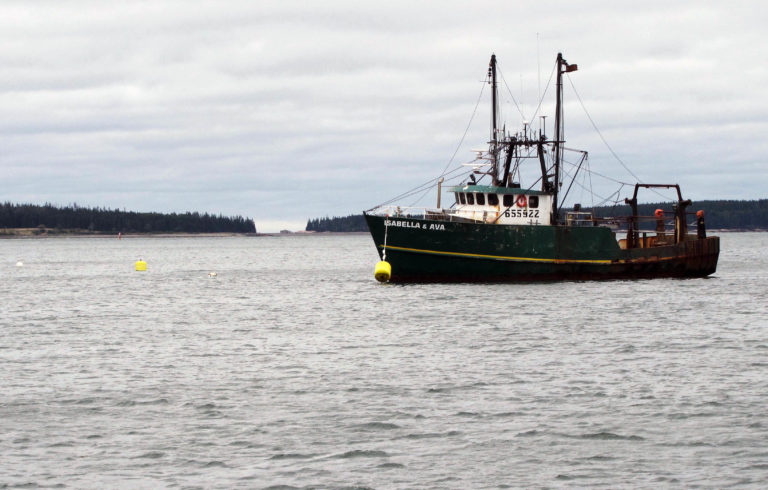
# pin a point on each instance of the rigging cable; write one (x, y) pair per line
(573, 179)
(588, 173)
(606, 142)
(607, 178)
(461, 142)
(546, 88)
(426, 185)
(443, 174)
(601, 134)
(510, 92)
(568, 174)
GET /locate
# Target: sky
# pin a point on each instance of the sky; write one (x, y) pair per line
(285, 111)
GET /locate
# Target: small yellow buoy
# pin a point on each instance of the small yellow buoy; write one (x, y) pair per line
(141, 265)
(211, 274)
(383, 271)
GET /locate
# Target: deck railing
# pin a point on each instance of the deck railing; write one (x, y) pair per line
(572, 218)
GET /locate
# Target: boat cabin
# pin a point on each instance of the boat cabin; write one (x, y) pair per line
(502, 205)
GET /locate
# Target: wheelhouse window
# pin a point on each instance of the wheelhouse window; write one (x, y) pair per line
(493, 199)
(480, 198)
(509, 199)
(470, 198)
(461, 198)
(533, 201)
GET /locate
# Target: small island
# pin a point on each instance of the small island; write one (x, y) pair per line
(19, 220)
(338, 224)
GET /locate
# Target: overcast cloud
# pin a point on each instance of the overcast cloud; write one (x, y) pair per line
(284, 111)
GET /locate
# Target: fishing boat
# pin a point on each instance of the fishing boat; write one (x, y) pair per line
(502, 231)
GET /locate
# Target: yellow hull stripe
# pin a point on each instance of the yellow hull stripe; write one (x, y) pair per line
(496, 257)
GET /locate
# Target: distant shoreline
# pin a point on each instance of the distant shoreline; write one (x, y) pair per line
(12, 233)
(27, 233)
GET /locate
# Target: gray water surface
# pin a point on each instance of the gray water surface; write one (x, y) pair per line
(293, 368)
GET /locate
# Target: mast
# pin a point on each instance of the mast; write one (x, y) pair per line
(562, 67)
(494, 122)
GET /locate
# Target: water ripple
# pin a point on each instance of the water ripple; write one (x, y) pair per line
(295, 369)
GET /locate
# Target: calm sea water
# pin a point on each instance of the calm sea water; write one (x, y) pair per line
(293, 368)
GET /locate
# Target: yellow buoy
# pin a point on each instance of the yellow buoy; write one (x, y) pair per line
(141, 265)
(383, 271)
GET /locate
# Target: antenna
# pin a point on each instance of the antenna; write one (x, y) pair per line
(538, 66)
(521, 98)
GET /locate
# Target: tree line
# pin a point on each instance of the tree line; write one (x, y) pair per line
(353, 222)
(718, 214)
(104, 220)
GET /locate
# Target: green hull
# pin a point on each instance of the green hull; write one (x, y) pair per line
(421, 250)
